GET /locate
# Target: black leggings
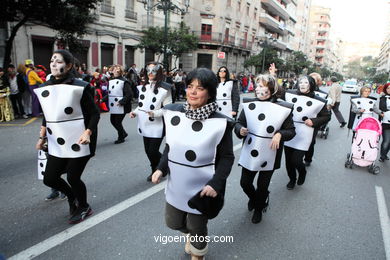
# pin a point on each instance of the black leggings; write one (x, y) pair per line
(294, 161)
(152, 147)
(116, 121)
(259, 195)
(73, 167)
(309, 154)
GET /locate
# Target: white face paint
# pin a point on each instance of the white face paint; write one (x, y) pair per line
(262, 92)
(116, 72)
(58, 66)
(304, 86)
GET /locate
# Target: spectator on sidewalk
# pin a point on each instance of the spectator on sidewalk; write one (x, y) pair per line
(16, 94)
(21, 79)
(6, 113)
(33, 81)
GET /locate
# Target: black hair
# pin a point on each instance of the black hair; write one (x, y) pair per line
(68, 57)
(12, 66)
(312, 83)
(227, 78)
(159, 76)
(207, 79)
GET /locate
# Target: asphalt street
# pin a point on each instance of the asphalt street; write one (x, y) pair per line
(334, 215)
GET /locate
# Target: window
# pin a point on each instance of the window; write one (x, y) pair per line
(206, 32)
(247, 9)
(226, 35)
(239, 5)
(255, 14)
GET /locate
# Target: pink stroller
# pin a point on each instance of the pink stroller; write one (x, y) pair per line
(365, 145)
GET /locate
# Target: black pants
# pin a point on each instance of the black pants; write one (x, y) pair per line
(385, 146)
(260, 194)
(152, 147)
(294, 162)
(309, 154)
(17, 104)
(73, 167)
(116, 121)
(337, 112)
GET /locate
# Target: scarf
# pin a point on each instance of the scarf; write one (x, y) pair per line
(201, 113)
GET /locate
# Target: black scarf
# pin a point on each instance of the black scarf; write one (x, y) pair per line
(201, 113)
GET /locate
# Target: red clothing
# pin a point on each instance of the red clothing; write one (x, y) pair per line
(42, 75)
(245, 81)
(98, 98)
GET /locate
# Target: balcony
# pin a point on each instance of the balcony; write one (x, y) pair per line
(276, 8)
(323, 29)
(271, 23)
(152, 20)
(319, 55)
(130, 14)
(107, 9)
(212, 38)
(280, 45)
(320, 46)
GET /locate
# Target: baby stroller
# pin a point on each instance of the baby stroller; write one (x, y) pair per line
(365, 145)
(324, 131)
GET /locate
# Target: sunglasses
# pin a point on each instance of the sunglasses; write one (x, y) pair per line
(222, 71)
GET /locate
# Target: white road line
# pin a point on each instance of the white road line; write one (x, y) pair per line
(384, 219)
(67, 234)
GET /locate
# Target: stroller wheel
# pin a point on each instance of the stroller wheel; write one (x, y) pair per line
(326, 136)
(346, 164)
(348, 154)
(350, 165)
(376, 170)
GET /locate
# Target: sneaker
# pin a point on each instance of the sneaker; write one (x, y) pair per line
(342, 124)
(257, 216)
(25, 116)
(62, 196)
(52, 196)
(290, 185)
(80, 215)
(307, 163)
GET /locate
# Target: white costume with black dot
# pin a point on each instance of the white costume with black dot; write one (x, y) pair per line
(64, 119)
(386, 117)
(224, 98)
(323, 95)
(150, 99)
(191, 163)
(304, 108)
(42, 160)
(263, 120)
(115, 94)
(363, 103)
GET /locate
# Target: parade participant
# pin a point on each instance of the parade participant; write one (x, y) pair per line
(119, 100)
(198, 168)
(153, 95)
(70, 126)
(265, 123)
(309, 113)
(228, 94)
(384, 106)
(362, 106)
(33, 81)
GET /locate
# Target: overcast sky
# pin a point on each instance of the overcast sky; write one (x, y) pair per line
(358, 20)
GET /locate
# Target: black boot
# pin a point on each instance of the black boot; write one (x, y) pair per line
(257, 215)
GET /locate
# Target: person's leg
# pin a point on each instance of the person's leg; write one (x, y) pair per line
(299, 165)
(20, 104)
(116, 121)
(261, 195)
(197, 227)
(154, 152)
(291, 172)
(309, 153)
(14, 105)
(55, 167)
(246, 183)
(385, 146)
(338, 114)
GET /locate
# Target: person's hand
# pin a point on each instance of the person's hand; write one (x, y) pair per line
(39, 145)
(132, 115)
(275, 141)
(85, 137)
(308, 122)
(234, 113)
(243, 131)
(272, 69)
(156, 177)
(362, 110)
(208, 191)
(329, 107)
(151, 114)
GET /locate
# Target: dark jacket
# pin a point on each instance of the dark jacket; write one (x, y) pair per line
(90, 111)
(383, 108)
(235, 96)
(20, 80)
(287, 129)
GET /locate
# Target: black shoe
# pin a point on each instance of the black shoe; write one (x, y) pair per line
(62, 196)
(257, 216)
(119, 141)
(80, 215)
(307, 164)
(387, 158)
(149, 178)
(53, 195)
(126, 135)
(290, 185)
(251, 205)
(381, 159)
(301, 179)
(343, 124)
(72, 207)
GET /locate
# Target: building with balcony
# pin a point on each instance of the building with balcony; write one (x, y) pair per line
(302, 26)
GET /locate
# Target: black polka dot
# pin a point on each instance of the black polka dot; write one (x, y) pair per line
(252, 106)
(75, 147)
(112, 87)
(220, 109)
(154, 99)
(49, 131)
(143, 89)
(40, 153)
(151, 119)
(304, 118)
(41, 164)
(250, 140)
(371, 102)
(224, 103)
(190, 155)
(359, 108)
(116, 99)
(299, 109)
(263, 164)
(45, 93)
(112, 104)
(117, 82)
(309, 103)
(224, 94)
(155, 91)
(151, 107)
(168, 148)
(197, 126)
(142, 97)
(270, 129)
(60, 141)
(42, 172)
(139, 130)
(175, 120)
(254, 153)
(109, 92)
(140, 104)
(68, 110)
(294, 100)
(358, 102)
(261, 117)
(371, 109)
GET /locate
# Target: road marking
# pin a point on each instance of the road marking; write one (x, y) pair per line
(384, 219)
(24, 124)
(68, 233)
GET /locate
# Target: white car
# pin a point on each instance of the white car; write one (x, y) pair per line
(351, 86)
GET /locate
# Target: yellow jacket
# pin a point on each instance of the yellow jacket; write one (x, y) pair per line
(33, 78)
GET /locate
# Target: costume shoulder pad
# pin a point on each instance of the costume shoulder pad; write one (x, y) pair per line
(175, 107)
(165, 85)
(284, 103)
(247, 100)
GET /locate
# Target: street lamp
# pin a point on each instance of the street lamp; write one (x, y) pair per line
(268, 40)
(166, 6)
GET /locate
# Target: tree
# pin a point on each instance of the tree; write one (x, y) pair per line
(68, 17)
(297, 62)
(179, 41)
(271, 56)
(381, 78)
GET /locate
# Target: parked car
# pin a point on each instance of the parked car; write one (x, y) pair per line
(351, 86)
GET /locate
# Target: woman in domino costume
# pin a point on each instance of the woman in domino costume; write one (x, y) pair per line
(228, 94)
(119, 101)
(310, 112)
(70, 125)
(198, 157)
(153, 95)
(264, 123)
(384, 106)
